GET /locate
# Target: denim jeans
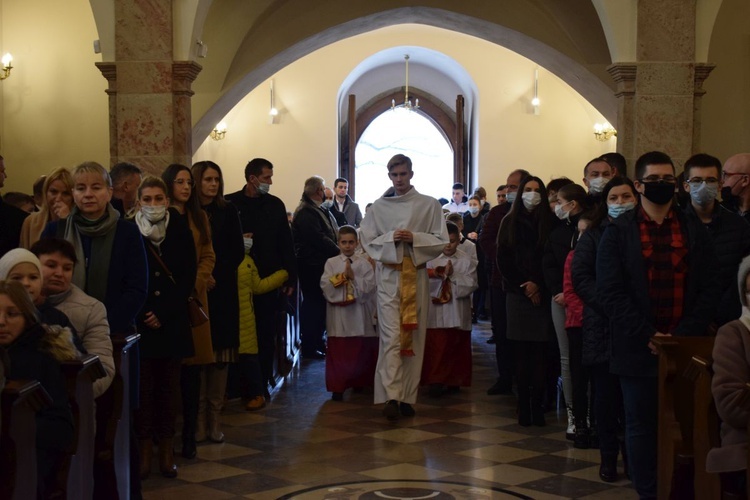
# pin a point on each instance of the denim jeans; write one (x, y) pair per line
(640, 398)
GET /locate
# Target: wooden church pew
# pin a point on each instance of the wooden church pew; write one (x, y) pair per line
(676, 412)
(20, 402)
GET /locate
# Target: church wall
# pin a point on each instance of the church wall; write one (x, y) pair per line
(726, 105)
(557, 142)
(54, 109)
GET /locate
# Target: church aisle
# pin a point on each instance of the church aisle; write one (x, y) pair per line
(306, 446)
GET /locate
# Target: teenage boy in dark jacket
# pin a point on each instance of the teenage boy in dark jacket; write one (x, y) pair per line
(657, 275)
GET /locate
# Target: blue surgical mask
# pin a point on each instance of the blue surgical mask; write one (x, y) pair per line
(263, 188)
(615, 210)
(474, 210)
(704, 194)
(327, 204)
(511, 197)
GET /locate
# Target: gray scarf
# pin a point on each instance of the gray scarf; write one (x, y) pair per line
(92, 275)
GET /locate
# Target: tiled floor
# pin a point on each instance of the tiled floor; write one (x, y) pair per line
(304, 439)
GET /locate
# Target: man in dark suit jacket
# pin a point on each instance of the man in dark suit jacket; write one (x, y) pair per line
(11, 219)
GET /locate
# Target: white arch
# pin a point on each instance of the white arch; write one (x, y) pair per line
(571, 72)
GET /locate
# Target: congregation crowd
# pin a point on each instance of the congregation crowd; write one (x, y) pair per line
(576, 280)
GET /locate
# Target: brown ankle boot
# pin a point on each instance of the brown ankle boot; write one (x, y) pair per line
(166, 458)
(147, 452)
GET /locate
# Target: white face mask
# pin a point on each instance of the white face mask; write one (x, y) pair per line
(562, 214)
(531, 199)
(511, 197)
(154, 213)
(596, 185)
(248, 244)
(474, 210)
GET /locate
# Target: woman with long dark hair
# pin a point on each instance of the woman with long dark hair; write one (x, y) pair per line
(179, 181)
(223, 300)
(520, 250)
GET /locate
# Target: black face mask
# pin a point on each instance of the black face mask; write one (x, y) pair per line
(727, 197)
(659, 193)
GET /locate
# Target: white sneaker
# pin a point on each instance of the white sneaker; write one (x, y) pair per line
(570, 433)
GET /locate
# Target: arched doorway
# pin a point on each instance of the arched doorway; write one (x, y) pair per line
(407, 132)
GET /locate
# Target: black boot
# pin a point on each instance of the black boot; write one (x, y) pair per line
(582, 438)
(608, 468)
(524, 406)
(537, 411)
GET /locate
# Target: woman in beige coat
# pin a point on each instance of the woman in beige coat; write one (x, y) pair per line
(183, 197)
(731, 365)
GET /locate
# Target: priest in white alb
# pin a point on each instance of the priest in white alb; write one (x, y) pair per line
(402, 231)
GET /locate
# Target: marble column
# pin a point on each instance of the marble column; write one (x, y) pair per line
(149, 93)
(660, 93)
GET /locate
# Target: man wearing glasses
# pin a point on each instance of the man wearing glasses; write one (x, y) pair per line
(656, 275)
(735, 194)
(731, 234)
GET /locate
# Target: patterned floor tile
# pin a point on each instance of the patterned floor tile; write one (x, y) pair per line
(566, 486)
(508, 474)
(208, 471)
(405, 471)
(499, 453)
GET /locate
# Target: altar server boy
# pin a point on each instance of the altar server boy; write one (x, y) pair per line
(447, 357)
(348, 284)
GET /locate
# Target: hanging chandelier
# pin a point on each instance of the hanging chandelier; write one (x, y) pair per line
(407, 102)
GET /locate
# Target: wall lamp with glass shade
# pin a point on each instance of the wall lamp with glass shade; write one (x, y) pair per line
(604, 131)
(535, 101)
(7, 62)
(219, 131)
(273, 113)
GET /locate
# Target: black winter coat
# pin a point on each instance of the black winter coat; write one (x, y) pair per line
(521, 262)
(11, 220)
(223, 300)
(265, 217)
(622, 285)
(731, 235)
(167, 299)
(314, 232)
(595, 322)
(560, 243)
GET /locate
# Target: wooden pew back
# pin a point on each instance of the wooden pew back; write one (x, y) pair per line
(676, 408)
(20, 402)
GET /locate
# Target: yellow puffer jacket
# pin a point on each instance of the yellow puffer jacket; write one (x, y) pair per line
(250, 283)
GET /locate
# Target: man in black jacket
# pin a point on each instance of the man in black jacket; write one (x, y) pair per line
(730, 232)
(656, 275)
(315, 235)
(264, 215)
(11, 219)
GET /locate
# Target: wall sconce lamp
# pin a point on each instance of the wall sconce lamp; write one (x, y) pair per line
(604, 131)
(535, 101)
(273, 113)
(7, 61)
(219, 131)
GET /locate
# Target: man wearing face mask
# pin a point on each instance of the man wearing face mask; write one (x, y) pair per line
(264, 215)
(656, 275)
(731, 234)
(735, 194)
(488, 242)
(328, 204)
(596, 175)
(315, 235)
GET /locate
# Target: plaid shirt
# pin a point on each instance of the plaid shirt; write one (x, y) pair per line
(664, 249)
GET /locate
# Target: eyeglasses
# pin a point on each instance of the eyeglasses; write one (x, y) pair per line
(183, 181)
(668, 179)
(696, 182)
(725, 174)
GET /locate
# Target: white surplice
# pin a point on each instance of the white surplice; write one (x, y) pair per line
(469, 248)
(457, 312)
(397, 377)
(356, 319)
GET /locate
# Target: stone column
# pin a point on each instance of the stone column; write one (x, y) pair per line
(659, 94)
(149, 92)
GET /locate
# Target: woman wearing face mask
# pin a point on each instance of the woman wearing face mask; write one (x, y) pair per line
(56, 204)
(520, 250)
(571, 203)
(179, 182)
(163, 322)
(226, 236)
(473, 221)
(620, 197)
